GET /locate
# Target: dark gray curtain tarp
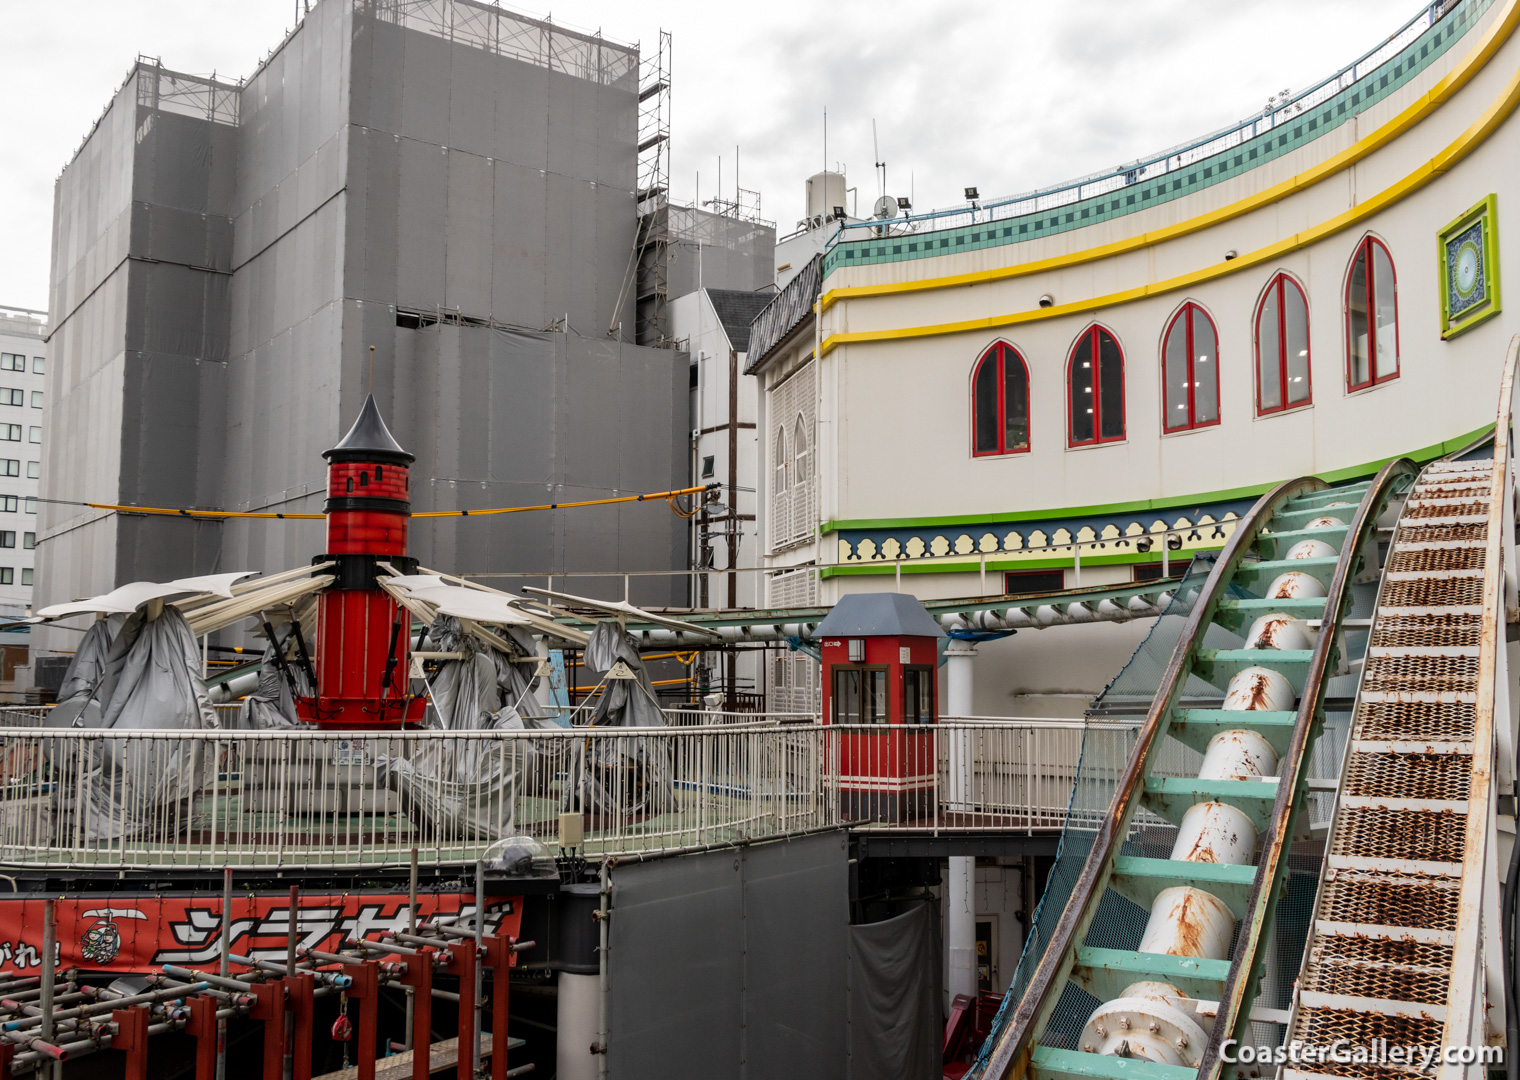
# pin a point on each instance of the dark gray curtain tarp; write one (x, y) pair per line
(896, 1030)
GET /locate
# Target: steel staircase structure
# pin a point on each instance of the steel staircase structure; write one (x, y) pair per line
(1403, 944)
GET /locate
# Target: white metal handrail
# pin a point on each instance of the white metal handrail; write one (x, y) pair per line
(93, 799)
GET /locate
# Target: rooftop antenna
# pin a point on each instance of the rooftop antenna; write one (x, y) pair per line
(881, 166)
(371, 369)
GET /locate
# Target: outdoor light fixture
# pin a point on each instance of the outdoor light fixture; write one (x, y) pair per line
(971, 193)
(903, 203)
(838, 213)
(1228, 255)
(1047, 300)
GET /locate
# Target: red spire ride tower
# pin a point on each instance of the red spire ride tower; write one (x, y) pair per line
(363, 635)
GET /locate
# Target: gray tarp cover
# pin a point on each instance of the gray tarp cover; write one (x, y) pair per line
(151, 682)
(627, 775)
(271, 706)
(467, 788)
(896, 1031)
(77, 704)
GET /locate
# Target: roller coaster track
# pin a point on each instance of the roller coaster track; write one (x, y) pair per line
(1397, 948)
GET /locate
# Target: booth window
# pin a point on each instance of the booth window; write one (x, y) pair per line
(1190, 363)
(1372, 317)
(1016, 582)
(860, 695)
(1282, 347)
(1095, 389)
(1000, 403)
(918, 695)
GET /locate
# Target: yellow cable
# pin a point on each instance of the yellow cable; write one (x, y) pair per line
(670, 496)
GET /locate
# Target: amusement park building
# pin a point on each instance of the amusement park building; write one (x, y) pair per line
(1313, 291)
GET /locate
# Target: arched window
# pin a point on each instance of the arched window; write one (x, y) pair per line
(780, 463)
(1282, 347)
(1190, 367)
(803, 469)
(1372, 317)
(1095, 389)
(1000, 402)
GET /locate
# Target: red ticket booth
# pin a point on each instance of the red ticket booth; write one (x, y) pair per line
(880, 684)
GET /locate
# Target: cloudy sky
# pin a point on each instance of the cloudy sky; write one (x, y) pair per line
(1004, 94)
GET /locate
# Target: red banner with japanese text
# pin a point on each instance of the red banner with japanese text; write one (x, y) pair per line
(127, 934)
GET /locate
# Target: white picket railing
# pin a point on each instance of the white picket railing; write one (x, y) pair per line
(89, 799)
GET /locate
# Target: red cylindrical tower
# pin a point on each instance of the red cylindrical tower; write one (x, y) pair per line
(363, 636)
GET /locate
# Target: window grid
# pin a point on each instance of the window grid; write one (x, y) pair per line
(1365, 265)
(990, 419)
(1097, 384)
(1186, 321)
(1273, 313)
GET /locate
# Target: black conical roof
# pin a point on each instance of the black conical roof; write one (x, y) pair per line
(369, 440)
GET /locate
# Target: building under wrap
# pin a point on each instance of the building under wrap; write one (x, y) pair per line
(447, 182)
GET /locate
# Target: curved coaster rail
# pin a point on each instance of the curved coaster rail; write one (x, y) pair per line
(1283, 581)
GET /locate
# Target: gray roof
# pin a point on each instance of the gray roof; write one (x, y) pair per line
(784, 314)
(883, 614)
(736, 309)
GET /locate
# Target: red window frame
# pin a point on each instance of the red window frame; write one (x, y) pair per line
(1280, 282)
(1364, 251)
(1189, 308)
(1094, 335)
(998, 353)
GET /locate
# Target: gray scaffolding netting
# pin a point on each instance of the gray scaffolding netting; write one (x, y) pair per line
(628, 775)
(469, 787)
(150, 681)
(1118, 923)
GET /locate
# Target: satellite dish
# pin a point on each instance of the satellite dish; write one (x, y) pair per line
(886, 207)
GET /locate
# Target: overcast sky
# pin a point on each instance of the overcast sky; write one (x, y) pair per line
(1004, 94)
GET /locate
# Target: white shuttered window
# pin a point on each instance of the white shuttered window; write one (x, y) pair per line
(793, 496)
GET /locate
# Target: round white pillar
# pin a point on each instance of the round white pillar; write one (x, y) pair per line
(960, 890)
(960, 928)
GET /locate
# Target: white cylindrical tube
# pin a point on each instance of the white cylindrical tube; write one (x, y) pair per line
(1277, 631)
(1311, 549)
(1238, 755)
(1295, 585)
(1189, 922)
(1259, 688)
(1215, 832)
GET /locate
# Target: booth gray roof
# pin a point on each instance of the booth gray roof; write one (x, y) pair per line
(879, 615)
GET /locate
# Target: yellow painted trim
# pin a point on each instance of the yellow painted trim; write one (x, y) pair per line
(1448, 85)
(1498, 110)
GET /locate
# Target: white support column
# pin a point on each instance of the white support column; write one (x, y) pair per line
(960, 885)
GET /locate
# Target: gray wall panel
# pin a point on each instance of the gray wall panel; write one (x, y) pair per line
(731, 963)
(468, 233)
(675, 969)
(520, 243)
(421, 219)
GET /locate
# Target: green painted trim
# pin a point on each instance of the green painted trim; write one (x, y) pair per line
(1333, 476)
(970, 564)
(1486, 211)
